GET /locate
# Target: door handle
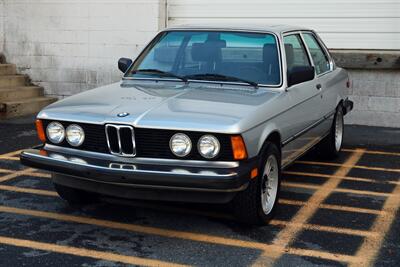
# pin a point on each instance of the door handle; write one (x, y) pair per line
(318, 86)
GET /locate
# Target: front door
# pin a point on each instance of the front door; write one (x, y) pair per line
(323, 71)
(305, 101)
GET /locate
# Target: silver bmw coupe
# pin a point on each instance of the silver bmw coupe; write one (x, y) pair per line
(203, 114)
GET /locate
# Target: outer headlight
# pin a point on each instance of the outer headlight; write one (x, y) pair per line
(75, 135)
(180, 144)
(208, 146)
(55, 132)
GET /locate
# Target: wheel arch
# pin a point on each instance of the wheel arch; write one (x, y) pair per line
(273, 136)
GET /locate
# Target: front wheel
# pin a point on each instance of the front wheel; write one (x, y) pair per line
(331, 145)
(256, 205)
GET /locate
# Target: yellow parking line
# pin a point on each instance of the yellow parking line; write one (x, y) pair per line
(370, 247)
(348, 166)
(350, 178)
(198, 237)
(83, 252)
(225, 216)
(10, 154)
(343, 190)
(351, 209)
(325, 228)
(40, 174)
(363, 192)
(8, 158)
(289, 233)
(184, 210)
(15, 174)
(272, 222)
(28, 190)
(375, 152)
(332, 207)
(321, 254)
(301, 185)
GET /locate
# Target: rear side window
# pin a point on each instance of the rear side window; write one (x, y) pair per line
(296, 54)
(320, 58)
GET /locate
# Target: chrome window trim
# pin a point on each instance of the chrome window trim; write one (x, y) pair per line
(324, 50)
(277, 40)
(303, 43)
(121, 152)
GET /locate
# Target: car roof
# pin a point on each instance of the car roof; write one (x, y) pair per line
(277, 29)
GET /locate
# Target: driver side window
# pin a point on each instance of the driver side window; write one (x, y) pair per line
(296, 54)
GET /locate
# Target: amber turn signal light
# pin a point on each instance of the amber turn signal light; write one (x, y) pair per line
(40, 130)
(254, 173)
(238, 147)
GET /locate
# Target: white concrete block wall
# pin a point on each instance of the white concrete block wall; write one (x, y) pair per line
(71, 46)
(376, 96)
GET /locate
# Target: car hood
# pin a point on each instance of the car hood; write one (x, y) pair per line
(165, 105)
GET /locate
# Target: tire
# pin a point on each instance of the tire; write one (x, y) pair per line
(331, 145)
(252, 206)
(74, 197)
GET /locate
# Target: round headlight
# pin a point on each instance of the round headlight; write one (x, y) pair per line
(55, 132)
(180, 144)
(75, 135)
(208, 146)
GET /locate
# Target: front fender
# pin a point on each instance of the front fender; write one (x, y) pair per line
(255, 137)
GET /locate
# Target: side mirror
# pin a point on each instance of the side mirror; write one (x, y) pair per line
(124, 64)
(300, 74)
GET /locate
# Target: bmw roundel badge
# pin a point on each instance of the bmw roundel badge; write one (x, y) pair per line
(122, 114)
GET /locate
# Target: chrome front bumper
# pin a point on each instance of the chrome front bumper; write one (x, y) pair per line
(140, 180)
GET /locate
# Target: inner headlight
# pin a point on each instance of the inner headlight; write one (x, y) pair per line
(208, 146)
(180, 144)
(55, 132)
(75, 135)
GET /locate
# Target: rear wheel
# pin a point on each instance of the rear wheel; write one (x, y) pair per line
(331, 145)
(257, 204)
(73, 196)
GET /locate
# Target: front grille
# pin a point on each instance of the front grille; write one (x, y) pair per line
(121, 140)
(141, 142)
(155, 143)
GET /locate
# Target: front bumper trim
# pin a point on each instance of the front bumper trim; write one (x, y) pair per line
(135, 175)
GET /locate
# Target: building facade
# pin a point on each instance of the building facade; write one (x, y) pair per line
(71, 46)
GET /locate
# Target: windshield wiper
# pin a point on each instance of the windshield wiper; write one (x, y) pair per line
(160, 73)
(220, 77)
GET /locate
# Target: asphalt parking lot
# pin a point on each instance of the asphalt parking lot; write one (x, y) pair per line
(332, 213)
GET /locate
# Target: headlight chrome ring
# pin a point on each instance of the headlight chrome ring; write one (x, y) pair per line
(75, 135)
(208, 146)
(55, 132)
(180, 144)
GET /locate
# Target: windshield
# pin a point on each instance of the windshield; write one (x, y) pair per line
(251, 58)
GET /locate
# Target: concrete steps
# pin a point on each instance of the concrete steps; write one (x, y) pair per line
(8, 69)
(10, 94)
(17, 96)
(13, 80)
(12, 109)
